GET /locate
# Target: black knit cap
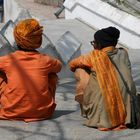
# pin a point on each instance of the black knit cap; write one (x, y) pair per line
(107, 36)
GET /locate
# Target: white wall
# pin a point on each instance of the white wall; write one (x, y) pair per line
(11, 10)
(14, 11)
(99, 14)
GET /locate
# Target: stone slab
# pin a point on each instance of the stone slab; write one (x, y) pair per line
(67, 45)
(50, 2)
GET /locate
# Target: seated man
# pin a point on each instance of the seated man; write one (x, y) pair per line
(28, 89)
(101, 92)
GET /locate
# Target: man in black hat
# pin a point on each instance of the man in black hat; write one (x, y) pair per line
(106, 37)
(103, 97)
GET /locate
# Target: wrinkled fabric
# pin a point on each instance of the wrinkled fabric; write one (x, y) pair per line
(81, 84)
(29, 93)
(108, 83)
(28, 34)
(94, 107)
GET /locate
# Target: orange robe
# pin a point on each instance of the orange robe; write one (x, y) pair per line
(29, 92)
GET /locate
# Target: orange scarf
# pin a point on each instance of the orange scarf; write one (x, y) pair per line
(109, 86)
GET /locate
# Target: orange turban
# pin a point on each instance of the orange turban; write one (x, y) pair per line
(28, 34)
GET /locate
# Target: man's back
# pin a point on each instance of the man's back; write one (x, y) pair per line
(27, 96)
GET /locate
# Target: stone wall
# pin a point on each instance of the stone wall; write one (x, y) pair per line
(50, 2)
(11, 10)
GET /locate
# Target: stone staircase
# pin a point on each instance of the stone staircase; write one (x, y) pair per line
(50, 2)
(66, 123)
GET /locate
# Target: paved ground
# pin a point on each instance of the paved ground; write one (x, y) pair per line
(66, 123)
(39, 10)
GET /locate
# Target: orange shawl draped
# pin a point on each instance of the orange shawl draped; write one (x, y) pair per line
(109, 86)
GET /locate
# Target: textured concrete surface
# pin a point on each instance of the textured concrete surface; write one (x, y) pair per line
(130, 6)
(39, 11)
(66, 123)
(50, 2)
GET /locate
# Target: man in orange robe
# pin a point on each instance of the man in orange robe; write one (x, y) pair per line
(28, 89)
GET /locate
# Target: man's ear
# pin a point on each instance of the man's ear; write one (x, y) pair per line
(99, 47)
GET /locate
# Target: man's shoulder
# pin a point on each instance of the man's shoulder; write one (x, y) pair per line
(123, 49)
(123, 52)
(47, 57)
(6, 56)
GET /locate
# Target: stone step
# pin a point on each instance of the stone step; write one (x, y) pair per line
(1, 25)
(50, 2)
